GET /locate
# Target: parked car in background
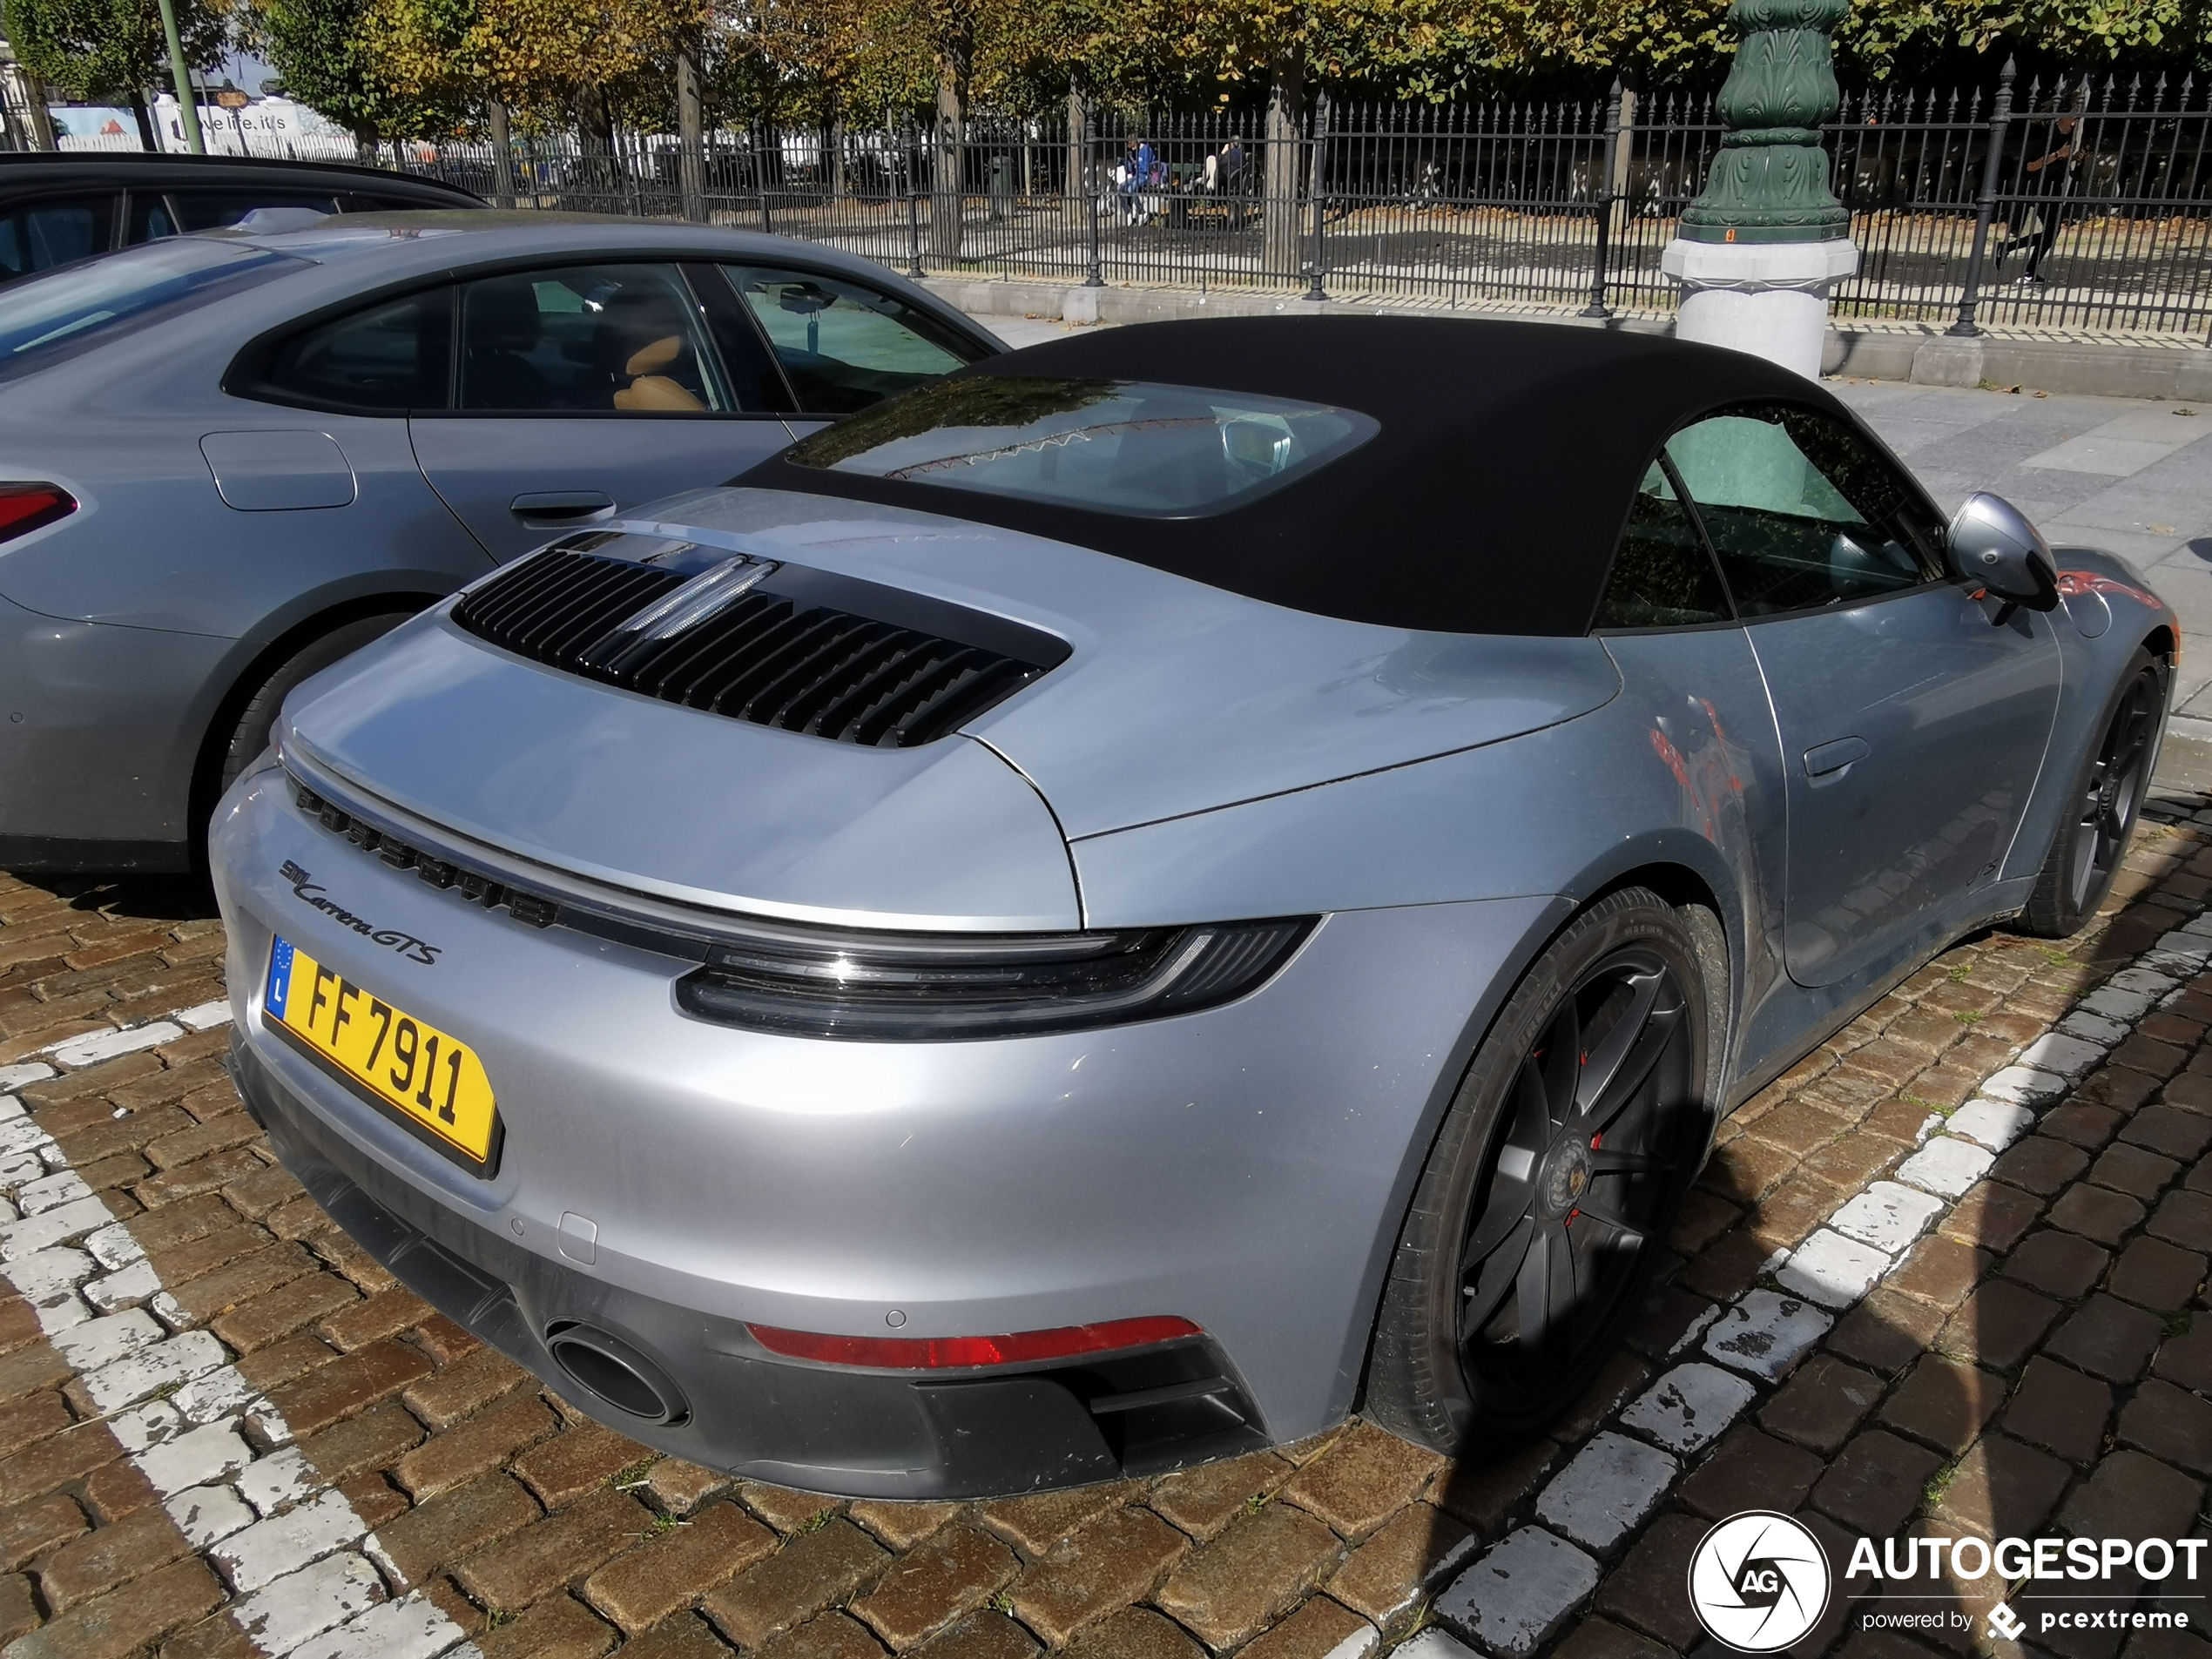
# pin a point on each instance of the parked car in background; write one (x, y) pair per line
(226, 460)
(55, 209)
(1242, 861)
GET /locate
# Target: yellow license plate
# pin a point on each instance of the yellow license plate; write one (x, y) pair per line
(431, 1080)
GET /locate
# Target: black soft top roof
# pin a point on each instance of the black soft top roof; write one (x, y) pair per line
(1490, 501)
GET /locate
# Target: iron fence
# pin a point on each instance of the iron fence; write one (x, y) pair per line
(2075, 204)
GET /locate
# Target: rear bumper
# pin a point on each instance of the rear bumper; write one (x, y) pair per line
(728, 1405)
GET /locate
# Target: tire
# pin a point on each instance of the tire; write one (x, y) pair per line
(1529, 1244)
(251, 734)
(2091, 838)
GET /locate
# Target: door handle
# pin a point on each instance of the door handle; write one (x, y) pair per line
(1831, 759)
(562, 506)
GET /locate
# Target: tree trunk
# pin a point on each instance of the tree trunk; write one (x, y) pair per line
(951, 155)
(595, 137)
(1280, 199)
(690, 137)
(1623, 153)
(837, 179)
(1078, 162)
(503, 156)
(38, 126)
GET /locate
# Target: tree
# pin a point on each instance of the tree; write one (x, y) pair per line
(111, 48)
(318, 47)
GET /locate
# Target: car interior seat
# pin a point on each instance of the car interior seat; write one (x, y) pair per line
(649, 335)
(499, 330)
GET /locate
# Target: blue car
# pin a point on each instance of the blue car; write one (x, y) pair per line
(228, 459)
(1154, 892)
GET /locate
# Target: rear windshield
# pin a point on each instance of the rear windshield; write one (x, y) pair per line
(1134, 447)
(59, 311)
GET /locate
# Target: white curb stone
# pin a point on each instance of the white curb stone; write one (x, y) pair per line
(221, 1392)
(1435, 1642)
(2122, 1004)
(1832, 1270)
(178, 1361)
(1765, 1333)
(14, 1078)
(210, 1452)
(2093, 1027)
(1689, 1337)
(110, 1045)
(1946, 1166)
(1518, 1594)
(125, 1289)
(1887, 1216)
(413, 1628)
(283, 1477)
(62, 1226)
(1992, 1123)
(1689, 1407)
(2024, 1086)
(101, 1342)
(51, 1192)
(206, 1017)
(113, 1247)
(2070, 1057)
(148, 1425)
(294, 1610)
(2190, 946)
(1606, 1489)
(270, 1548)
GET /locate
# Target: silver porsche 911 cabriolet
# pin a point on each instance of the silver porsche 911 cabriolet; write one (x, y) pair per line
(1112, 909)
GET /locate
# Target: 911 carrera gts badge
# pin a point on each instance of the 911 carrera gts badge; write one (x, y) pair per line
(304, 887)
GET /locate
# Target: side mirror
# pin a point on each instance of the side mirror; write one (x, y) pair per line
(1993, 544)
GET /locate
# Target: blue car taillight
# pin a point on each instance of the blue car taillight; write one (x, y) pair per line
(921, 988)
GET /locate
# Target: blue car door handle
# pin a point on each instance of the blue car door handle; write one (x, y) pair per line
(561, 506)
(1827, 759)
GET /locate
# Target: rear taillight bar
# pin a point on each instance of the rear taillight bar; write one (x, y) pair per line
(24, 507)
(933, 1353)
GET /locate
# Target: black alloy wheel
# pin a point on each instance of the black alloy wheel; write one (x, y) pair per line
(1554, 1182)
(2092, 838)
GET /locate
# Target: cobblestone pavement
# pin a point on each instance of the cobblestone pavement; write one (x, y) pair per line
(1941, 1277)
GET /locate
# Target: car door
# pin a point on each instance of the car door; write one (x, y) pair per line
(582, 388)
(1913, 715)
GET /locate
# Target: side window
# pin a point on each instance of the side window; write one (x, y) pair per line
(843, 346)
(392, 357)
(588, 339)
(1662, 577)
(210, 210)
(150, 218)
(1801, 511)
(39, 234)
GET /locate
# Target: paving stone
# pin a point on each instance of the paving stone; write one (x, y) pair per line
(558, 1628)
(988, 1635)
(1944, 1402)
(1595, 1638)
(2063, 1265)
(2184, 1218)
(1945, 1166)
(1486, 1495)
(1765, 1333)
(1831, 1269)
(134, 1617)
(1818, 1408)
(939, 1581)
(1137, 1633)
(469, 1449)
(1886, 1333)
(2130, 1495)
(2169, 1131)
(1646, 1589)
(557, 1551)
(2186, 1360)
(1888, 1216)
(1320, 1629)
(1114, 1561)
(1388, 1576)
(2132, 1170)
(465, 1387)
(433, 1535)
(1726, 1268)
(1227, 1591)
(2157, 1274)
(897, 1524)
(2058, 1408)
(652, 1582)
(97, 1562)
(347, 1386)
(811, 1571)
(2041, 1165)
(27, 1528)
(1517, 1593)
(54, 1462)
(1689, 1407)
(569, 1465)
(1606, 1490)
(1750, 1470)
(832, 1636)
(369, 1441)
(284, 1543)
(1997, 1326)
(1876, 1482)
(1992, 1216)
(1622, 1375)
(2106, 1339)
(1205, 1500)
(784, 1509)
(1994, 1124)
(1359, 1483)
(385, 1314)
(1940, 1272)
(1035, 1524)
(2171, 1424)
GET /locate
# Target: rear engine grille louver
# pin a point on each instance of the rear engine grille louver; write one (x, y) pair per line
(796, 651)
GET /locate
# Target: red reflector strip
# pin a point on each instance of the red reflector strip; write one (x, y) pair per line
(23, 507)
(930, 1354)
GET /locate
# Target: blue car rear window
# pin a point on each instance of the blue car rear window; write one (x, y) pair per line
(1132, 447)
(58, 312)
